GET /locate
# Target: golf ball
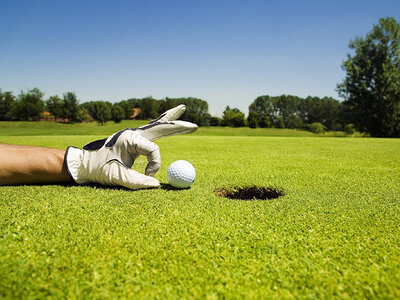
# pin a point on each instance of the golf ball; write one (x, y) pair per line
(181, 174)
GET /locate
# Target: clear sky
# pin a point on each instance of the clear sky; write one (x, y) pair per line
(224, 52)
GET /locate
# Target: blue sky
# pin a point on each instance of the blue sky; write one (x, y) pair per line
(225, 52)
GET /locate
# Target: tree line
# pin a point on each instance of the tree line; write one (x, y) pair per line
(286, 111)
(30, 106)
(370, 89)
(280, 112)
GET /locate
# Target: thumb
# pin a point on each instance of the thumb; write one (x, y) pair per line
(131, 179)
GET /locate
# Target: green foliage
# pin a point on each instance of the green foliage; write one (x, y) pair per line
(215, 121)
(55, 106)
(100, 111)
(83, 115)
(263, 106)
(150, 108)
(118, 113)
(264, 122)
(70, 107)
(233, 117)
(127, 109)
(350, 129)
(196, 109)
(326, 111)
(29, 105)
(316, 127)
(7, 103)
(334, 235)
(205, 120)
(288, 111)
(371, 87)
(252, 119)
(295, 122)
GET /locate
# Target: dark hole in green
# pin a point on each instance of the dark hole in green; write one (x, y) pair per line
(249, 193)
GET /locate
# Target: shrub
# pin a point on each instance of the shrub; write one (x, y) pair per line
(214, 121)
(316, 128)
(350, 129)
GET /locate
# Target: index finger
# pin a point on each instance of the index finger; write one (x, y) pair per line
(151, 151)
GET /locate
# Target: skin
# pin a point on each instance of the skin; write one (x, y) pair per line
(39, 165)
(32, 165)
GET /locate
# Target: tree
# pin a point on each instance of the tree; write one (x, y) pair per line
(233, 117)
(149, 108)
(287, 107)
(265, 109)
(70, 107)
(118, 113)
(99, 110)
(127, 108)
(252, 119)
(371, 88)
(215, 121)
(326, 111)
(294, 122)
(29, 105)
(7, 103)
(55, 106)
(264, 122)
(196, 109)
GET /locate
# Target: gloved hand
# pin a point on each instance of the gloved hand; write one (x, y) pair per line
(109, 161)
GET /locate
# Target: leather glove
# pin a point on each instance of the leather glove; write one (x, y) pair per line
(109, 161)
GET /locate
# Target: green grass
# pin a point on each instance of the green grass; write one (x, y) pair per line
(334, 235)
(92, 128)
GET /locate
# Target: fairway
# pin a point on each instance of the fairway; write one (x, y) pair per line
(335, 233)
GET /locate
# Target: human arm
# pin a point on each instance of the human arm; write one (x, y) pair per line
(107, 161)
(32, 165)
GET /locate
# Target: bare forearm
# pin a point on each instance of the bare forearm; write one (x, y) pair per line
(29, 164)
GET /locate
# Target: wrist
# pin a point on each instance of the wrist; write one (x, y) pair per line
(73, 163)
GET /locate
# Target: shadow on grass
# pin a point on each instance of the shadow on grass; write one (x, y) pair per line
(163, 186)
(168, 187)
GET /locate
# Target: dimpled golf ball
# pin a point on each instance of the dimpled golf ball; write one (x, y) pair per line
(181, 174)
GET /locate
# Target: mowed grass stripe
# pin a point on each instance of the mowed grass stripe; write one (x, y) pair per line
(334, 234)
(93, 128)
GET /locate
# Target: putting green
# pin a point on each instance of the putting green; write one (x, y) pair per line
(335, 233)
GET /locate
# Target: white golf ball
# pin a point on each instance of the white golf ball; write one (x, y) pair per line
(181, 174)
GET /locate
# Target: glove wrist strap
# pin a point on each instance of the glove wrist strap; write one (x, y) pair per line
(73, 162)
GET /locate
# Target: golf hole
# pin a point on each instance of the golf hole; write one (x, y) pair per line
(249, 193)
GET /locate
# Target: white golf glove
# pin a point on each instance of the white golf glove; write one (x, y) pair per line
(109, 161)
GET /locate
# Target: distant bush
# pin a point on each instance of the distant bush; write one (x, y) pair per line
(316, 128)
(349, 129)
(214, 121)
(84, 116)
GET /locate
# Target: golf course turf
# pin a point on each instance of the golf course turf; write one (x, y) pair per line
(334, 233)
